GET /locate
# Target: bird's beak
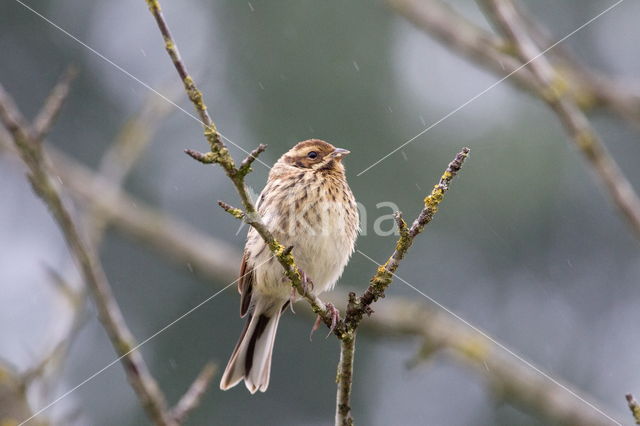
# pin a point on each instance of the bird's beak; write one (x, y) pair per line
(339, 153)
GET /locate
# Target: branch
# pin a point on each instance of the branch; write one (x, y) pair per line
(215, 261)
(588, 89)
(344, 378)
(384, 275)
(219, 154)
(211, 133)
(52, 105)
(357, 308)
(634, 407)
(109, 312)
(506, 18)
(191, 399)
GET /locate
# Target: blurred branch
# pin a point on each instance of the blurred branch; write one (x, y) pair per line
(76, 301)
(567, 90)
(52, 105)
(109, 312)
(634, 407)
(505, 17)
(191, 398)
(588, 89)
(215, 260)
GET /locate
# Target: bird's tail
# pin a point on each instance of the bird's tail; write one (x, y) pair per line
(251, 358)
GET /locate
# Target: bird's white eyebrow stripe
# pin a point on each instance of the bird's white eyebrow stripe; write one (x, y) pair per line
(131, 76)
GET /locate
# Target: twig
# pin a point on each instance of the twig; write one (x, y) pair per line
(144, 384)
(191, 398)
(52, 105)
(506, 18)
(215, 260)
(634, 407)
(358, 307)
(384, 275)
(195, 96)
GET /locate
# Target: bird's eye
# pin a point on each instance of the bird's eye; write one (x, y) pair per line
(312, 154)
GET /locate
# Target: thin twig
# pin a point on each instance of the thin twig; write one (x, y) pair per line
(357, 308)
(144, 384)
(504, 15)
(195, 95)
(219, 154)
(384, 275)
(191, 399)
(52, 105)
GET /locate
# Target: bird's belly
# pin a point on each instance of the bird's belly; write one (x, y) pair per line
(322, 253)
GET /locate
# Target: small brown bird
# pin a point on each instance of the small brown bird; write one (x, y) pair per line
(306, 204)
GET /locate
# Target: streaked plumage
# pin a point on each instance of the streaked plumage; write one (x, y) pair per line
(306, 203)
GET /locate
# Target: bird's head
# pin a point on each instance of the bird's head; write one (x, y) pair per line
(315, 155)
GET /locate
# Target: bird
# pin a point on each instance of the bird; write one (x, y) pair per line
(307, 204)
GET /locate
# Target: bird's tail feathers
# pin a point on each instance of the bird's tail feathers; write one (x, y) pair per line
(251, 358)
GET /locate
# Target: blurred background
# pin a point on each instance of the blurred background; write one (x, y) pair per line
(526, 245)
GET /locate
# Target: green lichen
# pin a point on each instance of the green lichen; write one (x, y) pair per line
(557, 88)
(475, 349)
(169, 45)
(154, 6)
(195, 95)
(435, 198)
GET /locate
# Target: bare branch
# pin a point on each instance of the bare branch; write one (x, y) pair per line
(245, 166)
(220, 155)
(506, 18)
(588, 89)
(191, 399)
(384, 275)
(358, 307)
(144, 384)
(210, 131)
(344, 378)
(52, 105)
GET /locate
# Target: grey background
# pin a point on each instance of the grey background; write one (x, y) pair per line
(526, 245)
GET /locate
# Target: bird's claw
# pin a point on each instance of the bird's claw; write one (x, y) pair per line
(335, 317)
(307, 284)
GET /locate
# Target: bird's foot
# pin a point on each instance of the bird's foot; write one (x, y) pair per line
(307, 284)
(335, 317)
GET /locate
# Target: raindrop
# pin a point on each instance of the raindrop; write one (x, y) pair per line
(355, 65)
(251, 6)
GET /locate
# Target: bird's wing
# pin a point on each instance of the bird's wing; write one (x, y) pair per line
(245, 285)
